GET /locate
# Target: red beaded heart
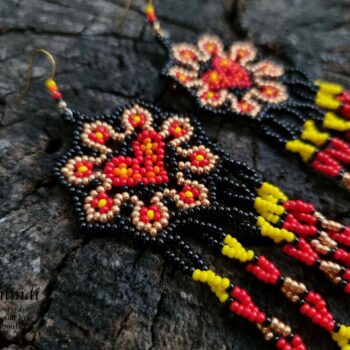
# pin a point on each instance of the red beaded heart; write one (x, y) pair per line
(147, 166)
(227, 74)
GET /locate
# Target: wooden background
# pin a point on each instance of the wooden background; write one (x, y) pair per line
(106, 292)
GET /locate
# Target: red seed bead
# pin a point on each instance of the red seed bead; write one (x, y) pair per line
(344, 97)
(346, 275)
(281, 343)
(342, 256)
(345, 111)
(56, 95)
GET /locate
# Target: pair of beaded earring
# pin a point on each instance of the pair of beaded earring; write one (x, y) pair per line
(156, 177)
(311, 119)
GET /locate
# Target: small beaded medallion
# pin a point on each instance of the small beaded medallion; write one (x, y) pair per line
(228, 79)
(310, 119)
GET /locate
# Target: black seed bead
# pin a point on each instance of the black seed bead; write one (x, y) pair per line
(336, 327)
(275, 339)
(267, 322)
(343, 283)
(317, 262)
(280, 281)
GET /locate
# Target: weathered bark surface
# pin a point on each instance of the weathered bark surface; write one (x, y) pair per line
(105, 292)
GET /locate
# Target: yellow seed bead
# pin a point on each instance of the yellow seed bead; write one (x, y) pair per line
(329, 88)
(211, 276)
(290, 237)
(342, 330)
(204, 276)
(225, 249)
(149, 8)
(231, 253)
(227, 239)
(217, 280)
(260, 221)
(225, 283)
(336, 336)
(272, 218)
(233, 241)
(196, 274)
(189, 194)
(83, 168)
(50, 83)
(102, 202)
(223, 297)
(271, 198)
(250, 255)
(343, 342)
(150, 214)
(137, 118)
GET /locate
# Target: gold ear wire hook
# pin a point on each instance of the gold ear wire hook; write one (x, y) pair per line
(122, 18)
(29, 73)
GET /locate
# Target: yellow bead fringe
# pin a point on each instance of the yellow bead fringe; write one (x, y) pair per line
(326, 101)
(266, 190)
(234, 250)
(329, 88)
(276, 234)
(217, 284)
(265, 206)
(312, 134)
(305, 150)
(333, 122)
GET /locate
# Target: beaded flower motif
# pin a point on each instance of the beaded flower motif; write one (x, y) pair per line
(136, 165)
(226, 80)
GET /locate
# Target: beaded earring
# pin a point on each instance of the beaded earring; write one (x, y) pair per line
(311, 119)
(156, 177)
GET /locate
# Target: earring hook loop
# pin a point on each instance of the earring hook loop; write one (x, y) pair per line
(29, 74)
